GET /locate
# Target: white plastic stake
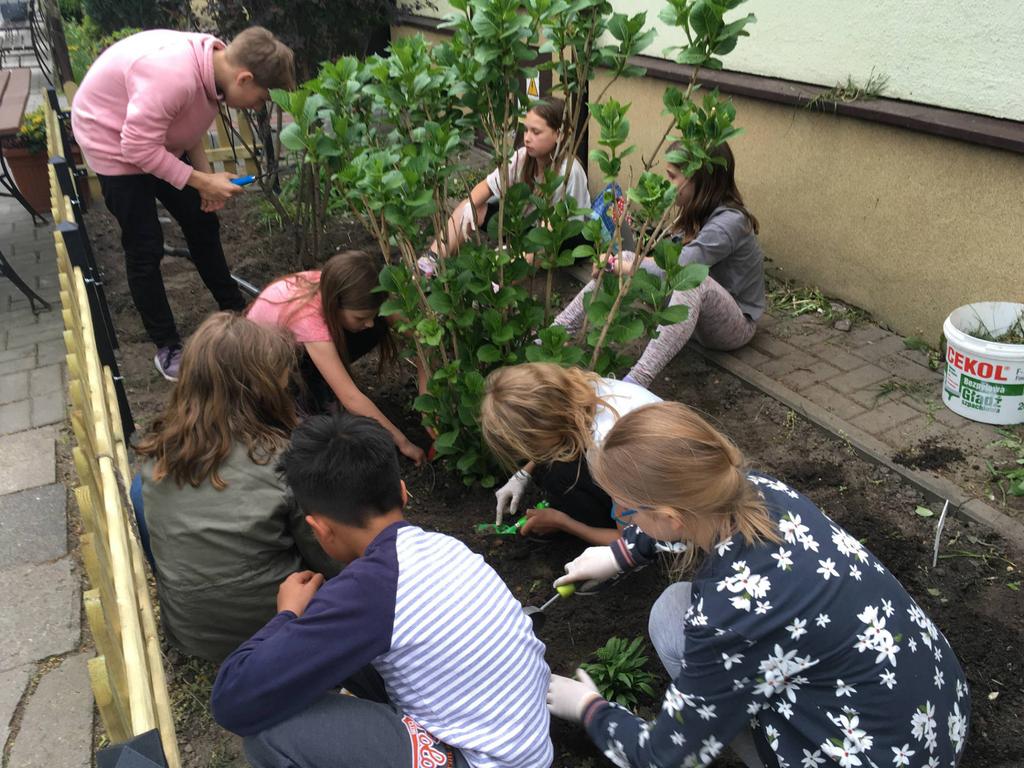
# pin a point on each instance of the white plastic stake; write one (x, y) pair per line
(938, 534)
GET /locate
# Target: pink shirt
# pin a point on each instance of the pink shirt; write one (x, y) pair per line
(144, 102)
(305, 321)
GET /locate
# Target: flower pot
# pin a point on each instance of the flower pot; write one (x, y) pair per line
(31, 175)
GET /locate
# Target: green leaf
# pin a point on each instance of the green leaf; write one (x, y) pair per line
(923, 512)
(292, 138)
(488, 353)
(440, 302)
(446, 440)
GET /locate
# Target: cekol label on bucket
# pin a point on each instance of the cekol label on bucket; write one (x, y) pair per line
(982, 385)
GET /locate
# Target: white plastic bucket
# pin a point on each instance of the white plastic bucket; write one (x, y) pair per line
(984, 380)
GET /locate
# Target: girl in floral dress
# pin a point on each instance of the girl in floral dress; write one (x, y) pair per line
(789, 641)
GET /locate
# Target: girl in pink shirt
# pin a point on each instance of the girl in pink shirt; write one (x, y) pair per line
(333, 314)
(139, 117)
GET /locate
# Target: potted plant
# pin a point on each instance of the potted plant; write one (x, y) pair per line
(25, 153)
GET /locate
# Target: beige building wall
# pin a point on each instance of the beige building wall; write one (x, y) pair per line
(907, 226)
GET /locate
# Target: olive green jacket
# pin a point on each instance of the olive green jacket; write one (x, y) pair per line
(220, 555)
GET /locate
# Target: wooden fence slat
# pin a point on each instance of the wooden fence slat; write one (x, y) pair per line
(114, 723)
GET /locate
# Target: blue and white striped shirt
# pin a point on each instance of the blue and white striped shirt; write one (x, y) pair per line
(453, 646)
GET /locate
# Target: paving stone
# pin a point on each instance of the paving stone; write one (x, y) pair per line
(56, 727)
(39, 615)
(910, 433)
(810, 338)
(828, 398)
(871, 397)
(750, 356)
(13, 386)
(864, 334)
(33, 525)
(883, 418)
(12, 686)
(23, 359)
(42, 331)
(780, 368)
(46, 380)
(859, 378)
(48, 409)
(902, 368)
(803, 378)
(873, 351)
(767, 344)
(27, 459)
(767, 321)
(839, 357)
(51, 352)
(15, 417)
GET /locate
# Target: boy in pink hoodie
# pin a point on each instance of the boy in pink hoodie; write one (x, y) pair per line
(139, 117)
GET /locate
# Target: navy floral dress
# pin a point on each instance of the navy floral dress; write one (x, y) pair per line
(811, 643)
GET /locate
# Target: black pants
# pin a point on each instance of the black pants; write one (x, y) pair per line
(132, 201)
(569, 487)
(316, 395)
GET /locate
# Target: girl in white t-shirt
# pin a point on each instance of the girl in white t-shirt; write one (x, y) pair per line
(542, 134)
(544, 418)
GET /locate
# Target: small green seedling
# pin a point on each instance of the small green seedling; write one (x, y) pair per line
(506, 530)
(619, 671)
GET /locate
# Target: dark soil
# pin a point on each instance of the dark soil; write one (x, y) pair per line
(929, 454)
(972, 595)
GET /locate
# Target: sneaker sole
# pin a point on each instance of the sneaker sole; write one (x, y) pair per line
(156, 362)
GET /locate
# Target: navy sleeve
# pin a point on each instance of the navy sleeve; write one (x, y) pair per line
(292, 661)
(634, 548)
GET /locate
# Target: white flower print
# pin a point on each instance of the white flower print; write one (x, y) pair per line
(847, 545)
(753, 708)
(723, 547)
(843, 689)
(879, 567)
(855, 572)
(740, 603)
(772, 734)
(812, 759)
(853, 735)
(710, 749)
(785, 709)
(887, 608)
(695, 614)
(933, 762)
(706, 711)
(671, 547)
(795, 532)
(822, 620)
(779, 673)
(677, 738)
(645, 734)
(903, 755)
(922, 725)
(938, 652)
(797, 629)
(775, 485)
(828, 568)
(728, 661)
(783, 558)
(763, 606)
(888, 679)
(876, 637)
(617, 754)
(744, 585)
(845, 754)
(613, 726)
(957, 724)
(961, 689)
(676, 700)
(912, 644)
(738, 685)
(939, 678)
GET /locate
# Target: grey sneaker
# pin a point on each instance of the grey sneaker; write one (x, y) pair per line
(168, 361)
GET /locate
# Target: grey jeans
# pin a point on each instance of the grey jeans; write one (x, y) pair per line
(666, 629)
(339, 731)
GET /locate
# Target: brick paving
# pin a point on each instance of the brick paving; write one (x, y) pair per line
(869, 384)
(44, 688)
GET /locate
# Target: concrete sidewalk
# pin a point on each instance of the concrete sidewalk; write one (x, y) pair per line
(46, 706)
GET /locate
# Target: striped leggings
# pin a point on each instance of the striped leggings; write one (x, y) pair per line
(715, 318)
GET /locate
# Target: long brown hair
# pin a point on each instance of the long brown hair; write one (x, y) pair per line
(347, 281)
(552, 112)
(539, 412)
(232, 388)
(665, 456)
(713, 186)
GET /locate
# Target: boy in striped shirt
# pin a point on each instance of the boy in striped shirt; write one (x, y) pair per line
(464, 674)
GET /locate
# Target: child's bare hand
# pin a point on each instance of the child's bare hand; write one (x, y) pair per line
(297, 590)
(544, 521)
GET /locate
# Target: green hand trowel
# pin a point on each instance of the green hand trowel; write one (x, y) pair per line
(506, 530)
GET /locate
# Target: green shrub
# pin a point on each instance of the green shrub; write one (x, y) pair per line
(111, 15)
(86, 42)
(619, 671)
(390, 134)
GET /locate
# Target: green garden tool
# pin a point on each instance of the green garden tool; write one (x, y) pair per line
(506, 530)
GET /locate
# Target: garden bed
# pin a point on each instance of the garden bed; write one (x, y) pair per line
(973, 595)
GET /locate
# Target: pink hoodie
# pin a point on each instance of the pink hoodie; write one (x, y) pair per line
(144, 102)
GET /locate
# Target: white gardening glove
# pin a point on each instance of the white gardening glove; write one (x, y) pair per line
(467, 220)
(568, 699)
(594, 565)
(510, 494)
